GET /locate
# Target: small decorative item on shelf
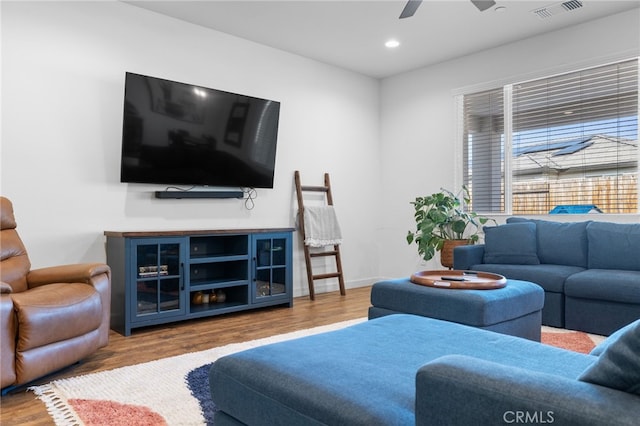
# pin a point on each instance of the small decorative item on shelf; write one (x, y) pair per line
(152, 271)
(221, 296)
(205, 298)
(213, 297)
(263, 288)
(164, 269)
(196, 298)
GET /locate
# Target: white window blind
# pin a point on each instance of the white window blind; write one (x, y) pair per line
(575, 144)
(483, 152)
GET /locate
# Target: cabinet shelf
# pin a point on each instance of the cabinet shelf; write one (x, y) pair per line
(149, 308)
(215, 307)
(155, 275)
(209, 285)
(234, 296)
(218, 246)
(217, 259)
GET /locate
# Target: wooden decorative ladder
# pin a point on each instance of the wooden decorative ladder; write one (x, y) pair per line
(308, 254)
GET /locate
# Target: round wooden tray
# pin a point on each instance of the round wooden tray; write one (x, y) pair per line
(459, 280)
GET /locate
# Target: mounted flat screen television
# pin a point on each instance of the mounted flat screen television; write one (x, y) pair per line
(182, 134)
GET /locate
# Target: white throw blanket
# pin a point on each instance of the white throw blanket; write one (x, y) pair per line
(321, 226)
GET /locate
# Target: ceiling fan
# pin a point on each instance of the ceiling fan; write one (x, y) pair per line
(412, 6)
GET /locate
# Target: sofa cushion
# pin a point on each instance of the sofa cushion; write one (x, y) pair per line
(605, 284)
(516, 219)
(618, 366)
(549, 277)
(614, 245)
(513, 243)
(598, 350)
(461, 390)
(560, 243)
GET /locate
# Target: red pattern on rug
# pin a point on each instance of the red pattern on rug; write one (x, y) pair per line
(576, 341)
(99, 413)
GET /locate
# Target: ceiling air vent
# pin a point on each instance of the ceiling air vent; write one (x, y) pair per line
(554, 9)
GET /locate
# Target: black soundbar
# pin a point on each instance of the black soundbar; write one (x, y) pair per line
(199, 194)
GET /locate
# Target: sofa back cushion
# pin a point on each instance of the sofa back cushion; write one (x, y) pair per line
(614, 245)
(618, 366)
(560, 243)
(513, 244)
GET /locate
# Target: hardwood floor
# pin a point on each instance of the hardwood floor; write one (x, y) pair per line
(147, 344)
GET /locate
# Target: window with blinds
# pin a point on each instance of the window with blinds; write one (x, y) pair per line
(483, 154)
(572, 148)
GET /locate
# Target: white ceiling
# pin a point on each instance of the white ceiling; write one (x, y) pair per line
(351, 34)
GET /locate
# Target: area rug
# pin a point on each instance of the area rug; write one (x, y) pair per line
(576, 341)
(175, 390)
(154, 393)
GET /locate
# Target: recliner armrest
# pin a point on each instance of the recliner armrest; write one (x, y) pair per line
(458, 389)
(466, 256)
(97, 275)
(74, 273)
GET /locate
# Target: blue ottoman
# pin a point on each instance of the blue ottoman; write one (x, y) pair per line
(515, 309)
(402, 370)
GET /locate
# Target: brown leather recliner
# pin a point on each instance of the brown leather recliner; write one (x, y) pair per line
(50, 317)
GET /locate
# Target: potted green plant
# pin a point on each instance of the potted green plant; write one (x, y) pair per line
(443, 222)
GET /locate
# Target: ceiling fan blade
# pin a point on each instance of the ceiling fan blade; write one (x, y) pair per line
(410, 8)
(483, 5)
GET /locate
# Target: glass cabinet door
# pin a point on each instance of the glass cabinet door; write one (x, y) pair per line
(270, 279)
(159, 288)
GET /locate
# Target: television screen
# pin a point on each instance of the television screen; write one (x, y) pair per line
(182, 134)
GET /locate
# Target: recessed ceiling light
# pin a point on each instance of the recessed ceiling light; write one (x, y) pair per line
(500, 9)
(392, 44)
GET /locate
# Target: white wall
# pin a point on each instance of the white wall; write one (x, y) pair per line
(418, 118)
(63, 66)
(384, 143)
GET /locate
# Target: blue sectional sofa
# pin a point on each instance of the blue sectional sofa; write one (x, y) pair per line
(411, 370)
(590, 271)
